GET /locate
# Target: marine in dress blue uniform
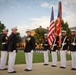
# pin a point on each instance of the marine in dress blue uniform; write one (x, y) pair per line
(4, 48)
(72, 47)
(12, 41)
(54, 50)
(64, 47)
(46, 49)
(30, 46)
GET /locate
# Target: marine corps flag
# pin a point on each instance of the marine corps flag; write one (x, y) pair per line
(58, 21)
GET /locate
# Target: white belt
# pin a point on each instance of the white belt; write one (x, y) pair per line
(4, 43)
(63, 44)
(54, 44)
(45, 44)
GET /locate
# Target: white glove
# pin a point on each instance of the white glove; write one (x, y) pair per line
(31, 51)
(73, 44)
(14, 50)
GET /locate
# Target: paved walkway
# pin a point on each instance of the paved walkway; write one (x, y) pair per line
(40, 69)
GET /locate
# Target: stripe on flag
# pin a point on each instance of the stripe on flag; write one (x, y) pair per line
(51, 29)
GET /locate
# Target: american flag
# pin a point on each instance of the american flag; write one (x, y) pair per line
(58, 21)
(51, 29)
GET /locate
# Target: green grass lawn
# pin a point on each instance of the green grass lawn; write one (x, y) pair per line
(37, 57)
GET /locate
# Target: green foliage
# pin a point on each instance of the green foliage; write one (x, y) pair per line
(39, 35)
(1, 28)
(65, 26)
(18, 37)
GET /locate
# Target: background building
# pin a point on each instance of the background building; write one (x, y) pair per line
(22, 44)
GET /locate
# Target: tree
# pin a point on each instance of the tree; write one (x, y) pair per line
(2, 26)
(39, 34)
(18, 37)
(65, 26)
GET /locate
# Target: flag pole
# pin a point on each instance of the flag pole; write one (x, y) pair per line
(60, 17)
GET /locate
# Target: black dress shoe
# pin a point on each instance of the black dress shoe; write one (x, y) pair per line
(12, 72)
(4, 69)
(46, 64)
(27, 70)
(53, 66)
(73, 69)
(62, 67)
